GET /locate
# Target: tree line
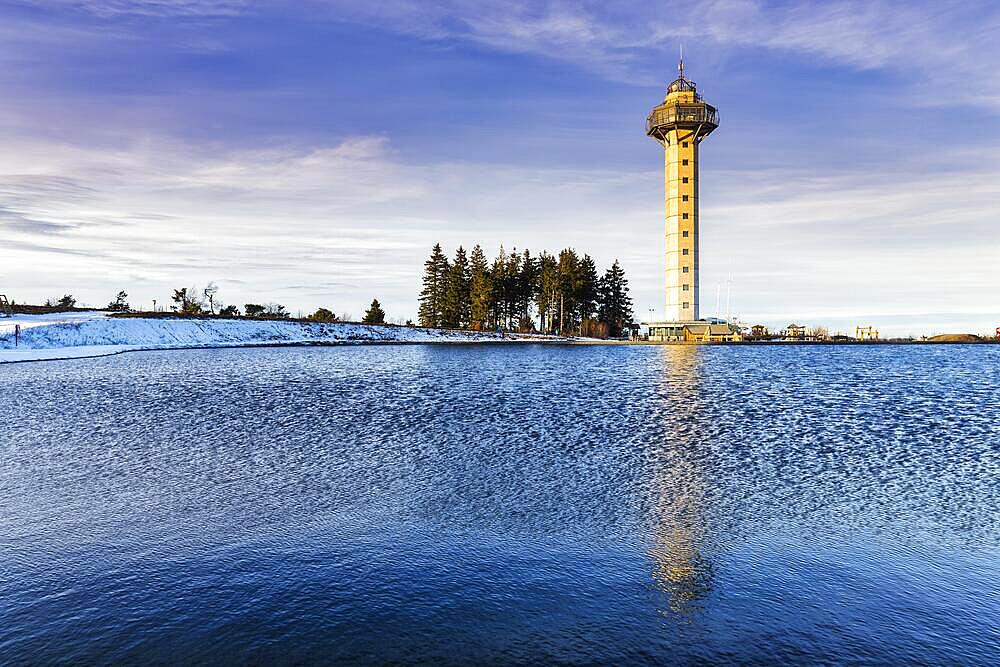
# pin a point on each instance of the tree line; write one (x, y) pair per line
(192, 301)
(563, 290)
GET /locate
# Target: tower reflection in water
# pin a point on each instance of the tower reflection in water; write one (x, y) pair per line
(677, 483)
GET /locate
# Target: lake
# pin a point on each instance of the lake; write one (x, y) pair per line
(503, 505)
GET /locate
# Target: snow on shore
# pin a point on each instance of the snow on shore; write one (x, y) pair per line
(85, 334)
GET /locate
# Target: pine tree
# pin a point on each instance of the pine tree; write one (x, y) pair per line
(455, 310)
(480, 290)
(187, 301)
(512, 290)
(569, 290)
(546, 296)
(615, 307)
(498, 276)
(120, 304)
(375, 314)
(527, 287)
(321, 315)
(587, 294)
(435, 284)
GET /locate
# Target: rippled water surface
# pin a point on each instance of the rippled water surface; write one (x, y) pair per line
(431, 504)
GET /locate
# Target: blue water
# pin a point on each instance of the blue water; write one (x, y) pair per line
(523, 504)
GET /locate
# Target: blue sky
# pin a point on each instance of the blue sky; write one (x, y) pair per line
(310, 152)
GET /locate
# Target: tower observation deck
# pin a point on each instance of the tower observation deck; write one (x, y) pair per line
(679, 124)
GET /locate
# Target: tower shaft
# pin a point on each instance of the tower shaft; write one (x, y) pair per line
(680, 150)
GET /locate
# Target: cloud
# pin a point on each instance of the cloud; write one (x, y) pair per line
(153, 8)
(15, 221)
(951, 47)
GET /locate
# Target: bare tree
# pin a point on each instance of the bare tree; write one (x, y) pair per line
(210, 290)
(819, 333)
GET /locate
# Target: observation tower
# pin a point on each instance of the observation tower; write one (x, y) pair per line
(679, 124)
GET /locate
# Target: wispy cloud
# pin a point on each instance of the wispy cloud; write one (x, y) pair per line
(15, 221)
(948, 45)
(159, 8)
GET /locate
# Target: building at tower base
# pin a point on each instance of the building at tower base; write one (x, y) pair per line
(693, 332)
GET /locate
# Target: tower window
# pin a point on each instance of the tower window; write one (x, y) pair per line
(684, 252)
(684, 144)
(684, 269)
(685, 179)
(686, 288)
(684, 215)
(684, 198)
(684, 162)
(685, 233)
(687, 304)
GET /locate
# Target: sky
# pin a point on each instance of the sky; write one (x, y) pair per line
(310, 152)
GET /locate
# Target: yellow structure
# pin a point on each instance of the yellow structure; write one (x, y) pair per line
(680, 124)
(711, 333)
(865, 333)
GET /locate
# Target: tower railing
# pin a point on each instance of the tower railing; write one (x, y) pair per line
(682, 114)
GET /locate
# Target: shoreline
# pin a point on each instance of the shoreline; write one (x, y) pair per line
(93, 334)
(90, 353)
(61, 336)
(766, 343)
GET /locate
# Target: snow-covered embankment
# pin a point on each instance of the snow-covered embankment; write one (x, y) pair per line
(79, 334)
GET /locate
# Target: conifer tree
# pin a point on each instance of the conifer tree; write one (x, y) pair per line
(512, 289)
(321, 315)
(547, 292)
(375, 314)
(569, 290)
(120, 304)
(615, 304)
(499, 279)
(480, 290)
(455, 310)
(527, 287)
(434, 286)
(187, 301)
(587, 296)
